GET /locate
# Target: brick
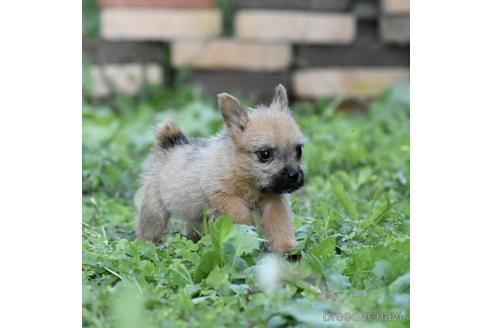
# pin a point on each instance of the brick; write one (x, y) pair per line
(100, 51)
(354, 82)
(158, 3)
(332, 5)
(230, 54)
(159, 24)
(258, 85)
(292, 26)
(395, 29)
(366, 50)
(124, 78)
(396, 6)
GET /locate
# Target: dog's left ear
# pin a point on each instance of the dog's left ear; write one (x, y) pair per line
(280, 100)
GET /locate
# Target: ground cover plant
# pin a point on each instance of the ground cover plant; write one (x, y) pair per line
(352, 224)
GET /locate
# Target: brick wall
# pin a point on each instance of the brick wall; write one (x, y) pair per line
(350, 48)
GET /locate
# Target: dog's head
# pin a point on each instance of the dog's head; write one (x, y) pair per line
(268, 141)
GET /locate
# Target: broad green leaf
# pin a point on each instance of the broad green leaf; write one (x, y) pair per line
(220, 231)
(244, 239)
(401, 284)
(240, 289)
(314, 263)
(306, 311)
(217, 278)
(325, 249)
(209, 261)
(344, 199)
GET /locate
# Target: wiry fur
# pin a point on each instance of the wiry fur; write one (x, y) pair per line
(223, 173)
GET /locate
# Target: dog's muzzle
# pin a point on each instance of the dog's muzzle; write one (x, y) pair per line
(288, 180)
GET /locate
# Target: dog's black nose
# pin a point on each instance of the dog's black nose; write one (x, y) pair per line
(293, 176)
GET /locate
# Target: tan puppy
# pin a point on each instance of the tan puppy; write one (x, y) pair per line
(254, 164)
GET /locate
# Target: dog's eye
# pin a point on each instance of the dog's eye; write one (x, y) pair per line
(299, 151)
(264, 155)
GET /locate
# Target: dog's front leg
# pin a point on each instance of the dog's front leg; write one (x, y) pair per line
(225, 203)
(277, 220)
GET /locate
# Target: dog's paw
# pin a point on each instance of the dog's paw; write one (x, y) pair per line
(284, 246)
(295, 257)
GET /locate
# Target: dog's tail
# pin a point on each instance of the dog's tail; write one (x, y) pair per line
(169, 135)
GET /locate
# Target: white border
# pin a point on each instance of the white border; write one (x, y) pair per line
(40, 175)
(450, 163)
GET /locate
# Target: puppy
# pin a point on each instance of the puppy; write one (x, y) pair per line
(254, 164)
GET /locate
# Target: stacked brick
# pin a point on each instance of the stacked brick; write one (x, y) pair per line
(349, 48)
(123, 66)
(364, 67)
(395, 21)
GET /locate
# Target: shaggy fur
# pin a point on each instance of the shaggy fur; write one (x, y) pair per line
(226, 173)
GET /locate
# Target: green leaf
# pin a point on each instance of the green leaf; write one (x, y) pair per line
(325, 249)
(314, 263)
(241, 289)
(209, 261)
(182, 272)
(244, 239)
(339, 281)
(127, 308)
(306, 311)
(220, 231)
(344, 199)
(381, 269)
(380, 213)
(217, 278)
(401, 284)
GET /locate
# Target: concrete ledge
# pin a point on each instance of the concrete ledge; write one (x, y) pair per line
(395, 7)
(297, 27)
(230, 54)
(158, 3)
(160, 24)
(346, 82)
(125, 78)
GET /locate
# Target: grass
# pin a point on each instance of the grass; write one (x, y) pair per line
(352, 224)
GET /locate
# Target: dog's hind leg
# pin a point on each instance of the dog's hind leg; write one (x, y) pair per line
(151, 223)
(193, 228)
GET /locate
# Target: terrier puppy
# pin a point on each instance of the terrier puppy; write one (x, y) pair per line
(254, 164)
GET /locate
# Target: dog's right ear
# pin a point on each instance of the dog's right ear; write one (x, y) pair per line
(280, 97)
(235, 116)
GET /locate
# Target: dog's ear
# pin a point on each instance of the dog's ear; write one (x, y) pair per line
(235, 116)
(280, 100)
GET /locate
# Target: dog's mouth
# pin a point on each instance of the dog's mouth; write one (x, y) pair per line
(280, 185)
(277, 190)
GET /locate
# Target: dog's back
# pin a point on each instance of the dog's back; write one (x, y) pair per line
(173, 179)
